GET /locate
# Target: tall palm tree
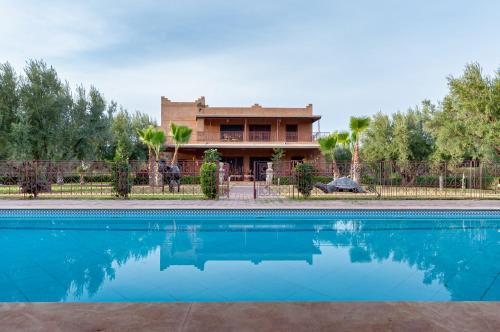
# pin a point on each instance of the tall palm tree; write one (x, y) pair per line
(145, 136)
(358, 126)
(157, 140)
(327, 146)
(180, 135)
(344, 140)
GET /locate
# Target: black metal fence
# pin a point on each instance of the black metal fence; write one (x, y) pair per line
(392, 180)
(100, 179)
(139, 179)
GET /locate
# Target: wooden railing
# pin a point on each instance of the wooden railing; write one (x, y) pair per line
(259, 136)
(231, 136)
(253, 136)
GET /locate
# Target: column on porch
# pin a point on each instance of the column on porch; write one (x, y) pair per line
(245, 137)
(246, 163)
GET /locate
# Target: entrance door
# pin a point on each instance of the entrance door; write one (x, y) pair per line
(260, 171)
(235, 167)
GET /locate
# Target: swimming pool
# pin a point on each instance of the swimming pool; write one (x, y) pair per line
(249, 255)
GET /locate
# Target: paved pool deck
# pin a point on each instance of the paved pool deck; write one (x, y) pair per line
(251, 316)
(248, 316)
(252, 204)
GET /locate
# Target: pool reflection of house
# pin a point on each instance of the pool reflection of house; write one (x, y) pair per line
(198, 247)
(243, 135)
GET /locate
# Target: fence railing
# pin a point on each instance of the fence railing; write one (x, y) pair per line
(100, 179)
(139, 179)
(387, 179)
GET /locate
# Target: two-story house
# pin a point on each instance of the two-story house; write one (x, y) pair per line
(243, 135)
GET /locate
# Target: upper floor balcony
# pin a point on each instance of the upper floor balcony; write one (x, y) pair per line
(257, 137)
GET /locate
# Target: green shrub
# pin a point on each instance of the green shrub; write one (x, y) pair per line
(9, 180)
(287, 180)
(87, 178)
(190, 179)
(395, 179)
(34, 180)
(304, 178)
(211, 156)
(141, 178)
(322, 179)
(283, 180)
(208, 179)
(120, 178)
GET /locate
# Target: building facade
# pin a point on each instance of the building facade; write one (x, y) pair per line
(243, 135)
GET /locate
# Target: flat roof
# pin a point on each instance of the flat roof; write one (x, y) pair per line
(226, 116)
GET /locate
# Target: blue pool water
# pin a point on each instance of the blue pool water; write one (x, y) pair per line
(249, 255)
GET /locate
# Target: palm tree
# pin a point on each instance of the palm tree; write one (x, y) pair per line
(157, 140)
(358, 126)
(327, 146)
(145, 136)
(180, 135)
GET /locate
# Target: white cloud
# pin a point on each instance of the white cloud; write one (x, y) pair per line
(42, 29)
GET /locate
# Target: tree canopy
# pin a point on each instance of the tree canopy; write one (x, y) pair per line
(41, 117)
(464, 126)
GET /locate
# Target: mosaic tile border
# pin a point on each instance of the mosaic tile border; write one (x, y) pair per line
(243, 213)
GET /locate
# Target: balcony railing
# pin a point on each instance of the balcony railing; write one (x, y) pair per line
(231, 136)
(292, 136)
(254, 137)
(259, 136)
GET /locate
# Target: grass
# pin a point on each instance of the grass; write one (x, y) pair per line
(391, 192)
(104, 191)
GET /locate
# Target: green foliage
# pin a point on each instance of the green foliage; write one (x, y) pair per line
(468, 125)
(153, 138)
(41, 118)
(359, 124)
(208, 179)
(120, 177)
(287, 180)
(180, 135)
(401, 137)
(278, 154)
(33, 179)
(9, 102)
(327, 146)
(304, 178)
(211, 156)
(190, 179)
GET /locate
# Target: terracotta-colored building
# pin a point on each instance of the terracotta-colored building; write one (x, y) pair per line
(243, 135)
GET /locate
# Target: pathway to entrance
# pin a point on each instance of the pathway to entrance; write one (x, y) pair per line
(244, 190)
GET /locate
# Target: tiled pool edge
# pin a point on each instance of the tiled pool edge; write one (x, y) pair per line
(251, 204)
(258, 316)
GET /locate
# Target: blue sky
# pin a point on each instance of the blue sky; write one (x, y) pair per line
(344, 57)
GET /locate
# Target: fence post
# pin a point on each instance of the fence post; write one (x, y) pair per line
(217, 184)
(381, 171)
(254, 182)
(480, 180)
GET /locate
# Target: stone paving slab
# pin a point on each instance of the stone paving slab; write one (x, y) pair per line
(252, 316)
(252, 204)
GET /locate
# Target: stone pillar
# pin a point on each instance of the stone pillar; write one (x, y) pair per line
(269, 174)
(221, 173)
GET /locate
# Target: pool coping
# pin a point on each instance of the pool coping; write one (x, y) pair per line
(252, 316)
(254, 204)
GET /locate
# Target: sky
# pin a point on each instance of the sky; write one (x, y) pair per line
(345, 57)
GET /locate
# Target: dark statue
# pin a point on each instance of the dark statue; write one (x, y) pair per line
(171, 176)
